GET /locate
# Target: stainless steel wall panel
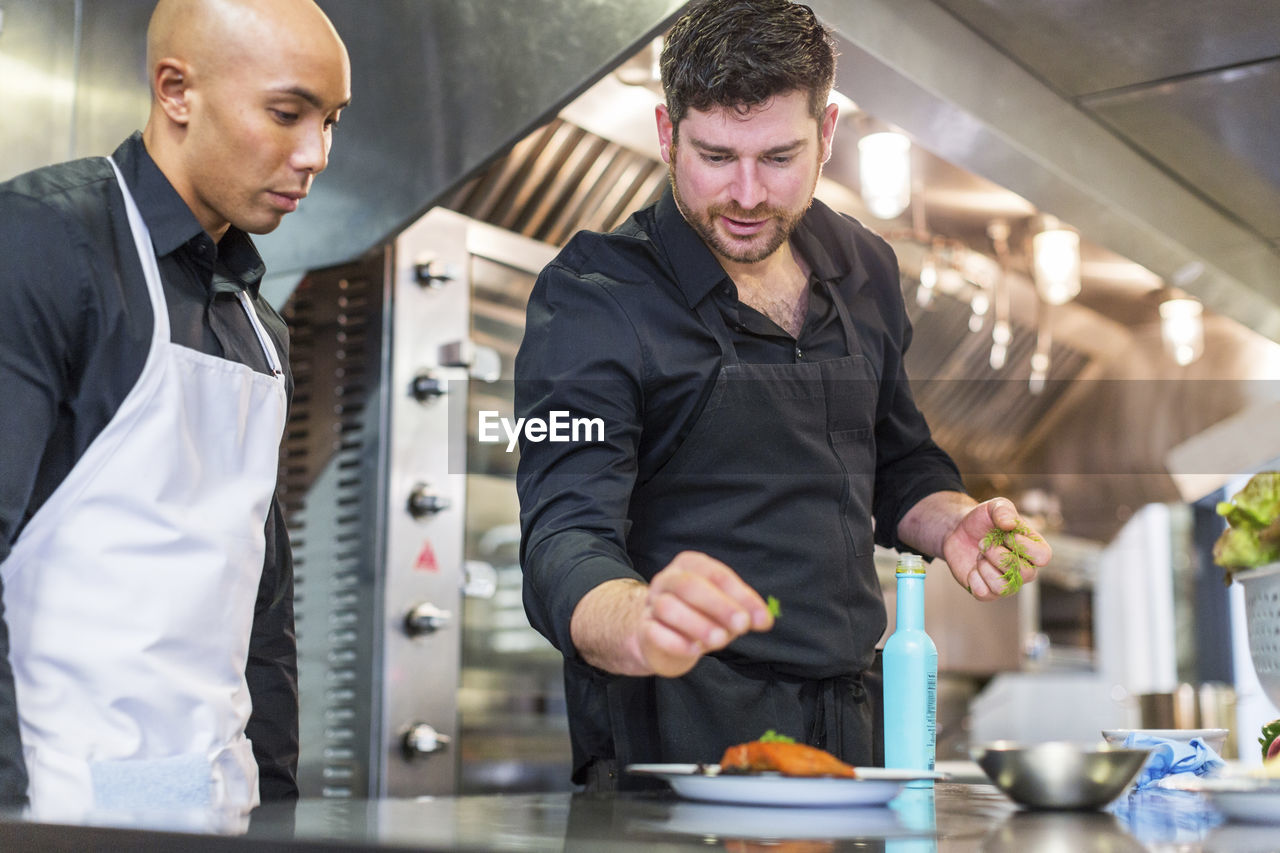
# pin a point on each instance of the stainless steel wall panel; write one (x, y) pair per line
(1092, 45)
(37, 83)
(440, 89)
(1217, 131)
(113, 94)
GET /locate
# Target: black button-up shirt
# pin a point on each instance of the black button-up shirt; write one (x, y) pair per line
(75, 330)
(612, 333)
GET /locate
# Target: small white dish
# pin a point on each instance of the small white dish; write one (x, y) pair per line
(1213, 738)
(874, 786)
(1241, 798)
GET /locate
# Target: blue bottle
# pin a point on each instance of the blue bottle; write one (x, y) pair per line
(915, 811)
(910, 677)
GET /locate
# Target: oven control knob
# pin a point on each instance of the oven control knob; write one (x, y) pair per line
(425, 618)
(423, 502)
(429, 273)
(421, 740)
(426, 386)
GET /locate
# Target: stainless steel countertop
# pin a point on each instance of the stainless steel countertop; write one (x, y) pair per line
(953, 817)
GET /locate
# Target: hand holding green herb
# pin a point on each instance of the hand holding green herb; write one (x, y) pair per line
(1015, 560)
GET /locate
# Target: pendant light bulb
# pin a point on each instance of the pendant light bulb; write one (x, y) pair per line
(884, 173)
(1182, 327)
(928, 281)
(1056, 261)
(1001, 336)
(1039, 372)
(978, 306)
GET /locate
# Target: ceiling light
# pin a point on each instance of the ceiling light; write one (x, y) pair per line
(979, 304)
(1040, 358)
(928, 281)
(884, 173)
(1182, 327)
(1056, 261)
(1039, 371)
(1001, 336)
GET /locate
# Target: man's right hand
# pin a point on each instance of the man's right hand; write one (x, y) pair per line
(695, 605)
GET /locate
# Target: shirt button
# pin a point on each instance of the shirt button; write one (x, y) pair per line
(799, 353)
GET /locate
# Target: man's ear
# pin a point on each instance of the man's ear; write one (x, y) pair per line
(827, 131)
(171, 82)
(666, 132)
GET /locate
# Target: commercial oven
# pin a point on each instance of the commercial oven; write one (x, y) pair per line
(405, 528)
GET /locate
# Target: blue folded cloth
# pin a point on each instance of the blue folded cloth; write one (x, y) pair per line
(1173, 758)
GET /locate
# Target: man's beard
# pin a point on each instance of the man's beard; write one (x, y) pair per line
(740, 250)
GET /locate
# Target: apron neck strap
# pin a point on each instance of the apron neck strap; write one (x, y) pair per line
(713, 319)
(846, 321)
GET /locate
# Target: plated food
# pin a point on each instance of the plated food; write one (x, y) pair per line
(785, 756)
(775, 770)
(871, 786)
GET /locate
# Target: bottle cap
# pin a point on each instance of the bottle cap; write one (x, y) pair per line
(910, 564)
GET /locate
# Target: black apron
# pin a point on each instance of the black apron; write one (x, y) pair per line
(775, 479)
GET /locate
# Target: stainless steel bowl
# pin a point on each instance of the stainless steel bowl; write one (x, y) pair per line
(1059, 775)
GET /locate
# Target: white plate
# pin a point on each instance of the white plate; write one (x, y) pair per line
(1250, 806)
(874, 787)
(1214, 738)
(1244, 798)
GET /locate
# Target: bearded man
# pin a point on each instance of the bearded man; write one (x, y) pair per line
(743, 345)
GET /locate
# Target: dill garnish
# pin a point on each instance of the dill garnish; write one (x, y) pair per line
(1016, 560)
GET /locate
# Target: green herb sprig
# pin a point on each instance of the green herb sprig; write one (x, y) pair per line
(775, 606)
(1016, 560)
(773, 737)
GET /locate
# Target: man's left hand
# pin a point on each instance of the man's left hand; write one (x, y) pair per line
(980, 571)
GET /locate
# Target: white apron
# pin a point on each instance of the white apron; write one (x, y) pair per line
(130, 594)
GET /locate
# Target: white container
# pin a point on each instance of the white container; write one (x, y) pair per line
(1262, 616)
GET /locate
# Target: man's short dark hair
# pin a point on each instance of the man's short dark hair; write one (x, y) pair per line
(740, 53)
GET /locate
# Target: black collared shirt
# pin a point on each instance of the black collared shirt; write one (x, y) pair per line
(612, 333)
(75, 329)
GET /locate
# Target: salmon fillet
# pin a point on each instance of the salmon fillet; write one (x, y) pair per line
(789, 759)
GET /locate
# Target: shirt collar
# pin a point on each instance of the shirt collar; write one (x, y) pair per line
(816, 249)
(171, 222)
(697, 271)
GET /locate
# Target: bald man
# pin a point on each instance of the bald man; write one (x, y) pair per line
(147, 655)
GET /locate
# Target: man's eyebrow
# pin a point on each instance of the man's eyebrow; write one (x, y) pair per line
(772, 152)
(310, 97)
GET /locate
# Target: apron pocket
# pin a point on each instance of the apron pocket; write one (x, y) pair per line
(857, 453)
(182, 781)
